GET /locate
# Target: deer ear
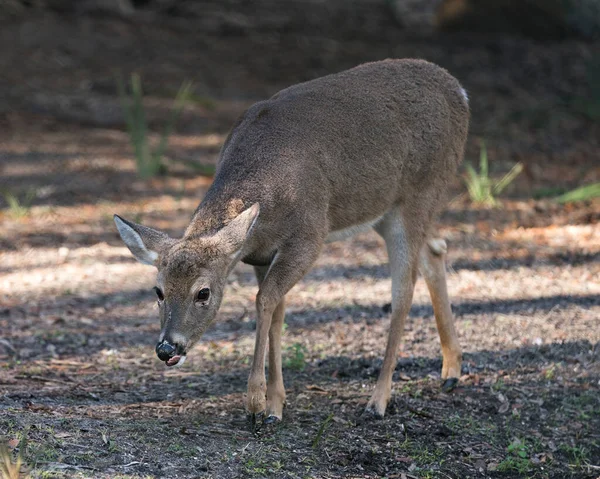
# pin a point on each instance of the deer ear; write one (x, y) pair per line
(143, 242)
(231, 238)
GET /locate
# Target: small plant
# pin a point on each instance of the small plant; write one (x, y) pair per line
(481, 188)
(149, 160)
(581, 194)
(517, 459)
(8, 469)
(295, 357)
(321, 430)
(577, 454)
(19, 208)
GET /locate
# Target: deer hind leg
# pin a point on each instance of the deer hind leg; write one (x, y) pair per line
(433, 268)
(403, 243)
(275, 386)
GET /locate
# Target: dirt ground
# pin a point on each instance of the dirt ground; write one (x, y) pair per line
(82, 394)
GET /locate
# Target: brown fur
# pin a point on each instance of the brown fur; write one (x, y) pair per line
(375, 144)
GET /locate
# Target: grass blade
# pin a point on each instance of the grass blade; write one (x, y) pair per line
(321, 430)
(140, 132)
(581, 194)
(483, 160)
(181, 99)
(508, 178)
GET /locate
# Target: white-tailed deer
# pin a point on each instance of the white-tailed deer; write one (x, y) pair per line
(371, 147)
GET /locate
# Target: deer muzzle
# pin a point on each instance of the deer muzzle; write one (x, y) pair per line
(169, 353)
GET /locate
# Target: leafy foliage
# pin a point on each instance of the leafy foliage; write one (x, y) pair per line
(517, 459)
(19, 208)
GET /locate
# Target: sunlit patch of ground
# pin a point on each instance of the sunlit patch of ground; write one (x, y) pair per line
(80, 374)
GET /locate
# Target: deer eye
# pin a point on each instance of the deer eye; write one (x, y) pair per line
(159, 293)
(202, 295)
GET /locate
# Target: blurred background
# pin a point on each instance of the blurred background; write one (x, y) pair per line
(532, 70)
(121, 106)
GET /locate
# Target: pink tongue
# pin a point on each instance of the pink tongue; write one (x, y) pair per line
(173, 361)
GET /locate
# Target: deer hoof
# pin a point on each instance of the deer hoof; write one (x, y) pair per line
(449, 384)
(256, 420)
(272, 419)
(371, 412)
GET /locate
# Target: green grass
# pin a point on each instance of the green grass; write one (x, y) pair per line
(204, 102)
(149, 160)
(579, 455)
(8, 468)
(321, 430)
(517, 459)
(19, 208)
(583, 193)
(481, 188)
(295, 357)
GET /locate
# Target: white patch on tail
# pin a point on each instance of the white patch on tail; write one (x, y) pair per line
(463, 92)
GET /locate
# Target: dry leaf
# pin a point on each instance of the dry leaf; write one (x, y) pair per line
(312, 387)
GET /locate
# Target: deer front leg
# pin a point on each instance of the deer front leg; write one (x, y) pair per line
(275, 386)
(256, 382)
(291, 263)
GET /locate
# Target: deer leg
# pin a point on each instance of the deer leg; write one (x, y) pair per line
(275, 387)
(403, 255)
(291, 263)
(434, 271)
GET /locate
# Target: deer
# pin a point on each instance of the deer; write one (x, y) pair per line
(373, 147)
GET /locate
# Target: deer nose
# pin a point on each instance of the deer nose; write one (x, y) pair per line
(165, 350)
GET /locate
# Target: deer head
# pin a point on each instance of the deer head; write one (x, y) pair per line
(192, 273)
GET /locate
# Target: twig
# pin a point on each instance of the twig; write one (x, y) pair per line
(58, 465)
(48, 380)
(8, 345)
(244, 448)
(440, 472)
(420, 413)
(81, 445)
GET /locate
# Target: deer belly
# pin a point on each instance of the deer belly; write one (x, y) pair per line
(342, 234)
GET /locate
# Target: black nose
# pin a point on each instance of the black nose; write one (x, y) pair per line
(165, 351)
